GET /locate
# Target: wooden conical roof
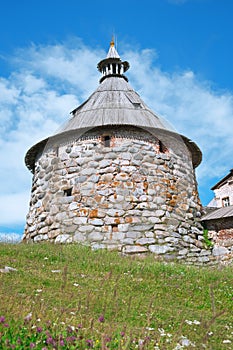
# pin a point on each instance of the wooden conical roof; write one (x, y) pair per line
(114, 102)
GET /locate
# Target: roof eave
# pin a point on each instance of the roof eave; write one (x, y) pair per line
(222, 180)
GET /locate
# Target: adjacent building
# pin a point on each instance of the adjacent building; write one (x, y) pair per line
(218, 219)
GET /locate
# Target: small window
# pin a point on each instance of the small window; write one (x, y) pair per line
(106, 140)
(137, 105)
(160, 146)
(68, 192)
(226, 202)
(114, 228)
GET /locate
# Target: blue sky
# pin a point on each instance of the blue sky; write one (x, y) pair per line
(181, 55)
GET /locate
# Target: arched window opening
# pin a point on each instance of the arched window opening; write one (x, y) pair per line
(68, 192)
(106, 140)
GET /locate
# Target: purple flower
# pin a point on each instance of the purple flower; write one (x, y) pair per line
(39, 329)
(62, 343)
(6, 325)
(101, 318)
(89, 343)
(50, 340)
(108, 339)
(2, 319)
(69, 329)
(122, 334)
(71, 339)
(32, 345)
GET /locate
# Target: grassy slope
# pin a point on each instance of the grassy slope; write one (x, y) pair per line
(72, 285)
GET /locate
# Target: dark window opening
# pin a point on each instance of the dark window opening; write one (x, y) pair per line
(137, 105)
(114, 68)
(162, 148)
(114, 227)
(68, 192)
(226, 202)
(106, 140)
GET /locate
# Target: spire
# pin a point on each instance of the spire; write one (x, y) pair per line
(112, 64)
(112, 52)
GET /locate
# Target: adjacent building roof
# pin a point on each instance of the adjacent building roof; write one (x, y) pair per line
(220, 213)
(223, 180)
(114, 102)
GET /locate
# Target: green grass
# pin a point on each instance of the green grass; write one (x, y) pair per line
(81, 299)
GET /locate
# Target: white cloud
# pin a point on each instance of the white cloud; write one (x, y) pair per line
(13, 207)
(10, 237)
(49, 81)
(193, 107)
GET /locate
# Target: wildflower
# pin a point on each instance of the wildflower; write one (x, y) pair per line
(62, 343)
(122, 334)
(39, 290)
(50, 341)
(6, 325)
(32, 345)
(196, 322)
(162, 332)
(70, 329)
(71, 339)
(2, 319)
(227, 341)
(188, 322)
(76, 284)
(178, 347)
(89, 343)
(101, 318)
(28, 317)
(185, 342)
(55, 271)
(39, 329)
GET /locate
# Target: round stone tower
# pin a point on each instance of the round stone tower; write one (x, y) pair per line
(116, 176)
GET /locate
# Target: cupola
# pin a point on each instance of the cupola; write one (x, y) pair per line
(112, 64)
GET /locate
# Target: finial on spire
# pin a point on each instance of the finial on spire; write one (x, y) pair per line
(112, 43)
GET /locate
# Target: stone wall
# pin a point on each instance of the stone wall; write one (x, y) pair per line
(136, 195)
(220, 231)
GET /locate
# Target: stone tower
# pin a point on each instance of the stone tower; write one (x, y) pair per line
(116, 176)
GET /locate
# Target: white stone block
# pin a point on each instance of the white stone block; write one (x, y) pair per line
(134, 249)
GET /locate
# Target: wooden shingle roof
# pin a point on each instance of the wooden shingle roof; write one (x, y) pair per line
(220, 213)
